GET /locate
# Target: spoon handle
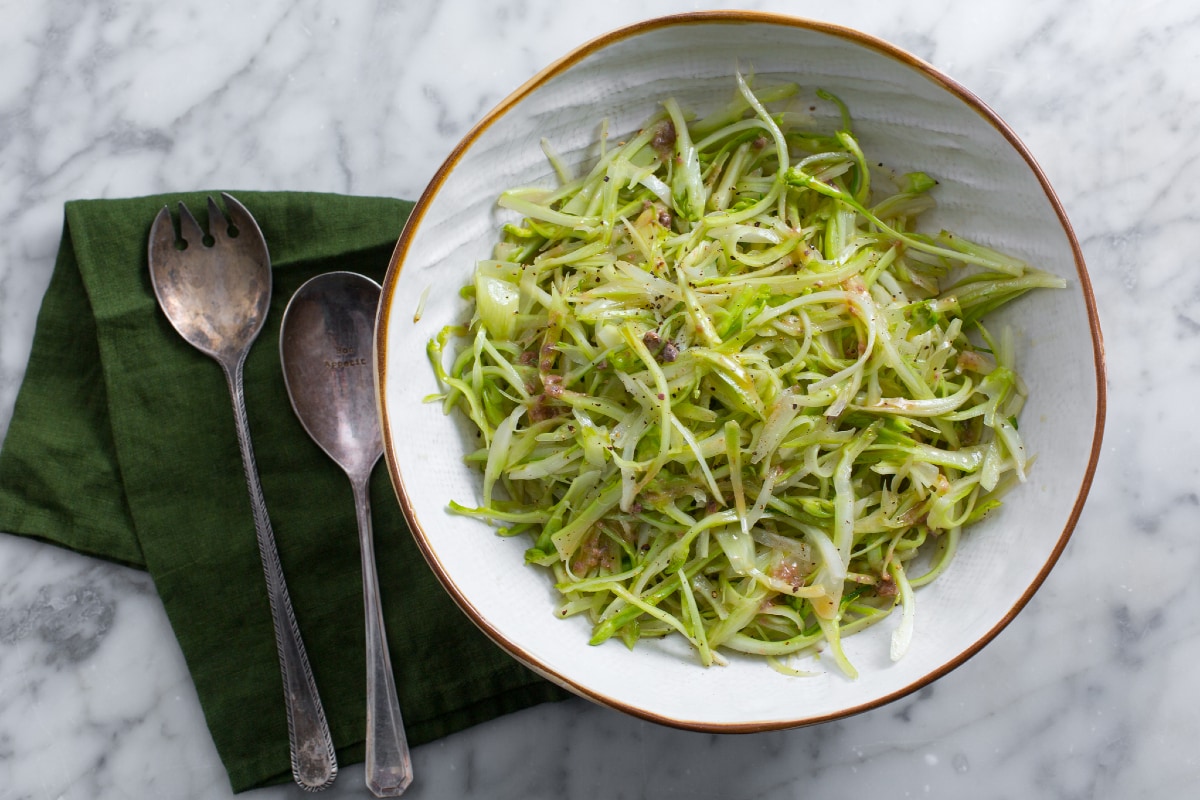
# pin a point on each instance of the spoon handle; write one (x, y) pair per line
(314, 764)
(389, 766)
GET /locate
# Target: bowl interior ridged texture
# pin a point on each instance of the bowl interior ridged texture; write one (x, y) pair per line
(907, 117)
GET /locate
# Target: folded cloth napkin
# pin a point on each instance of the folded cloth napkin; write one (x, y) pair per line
(122, 446)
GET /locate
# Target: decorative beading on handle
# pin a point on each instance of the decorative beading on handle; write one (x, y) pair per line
(314, 763)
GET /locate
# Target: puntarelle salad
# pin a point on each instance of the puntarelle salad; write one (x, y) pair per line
(728, 389)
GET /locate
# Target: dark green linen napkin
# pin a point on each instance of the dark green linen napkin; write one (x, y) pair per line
(122, 446)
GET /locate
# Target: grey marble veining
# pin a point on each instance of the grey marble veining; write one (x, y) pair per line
(1088, 694)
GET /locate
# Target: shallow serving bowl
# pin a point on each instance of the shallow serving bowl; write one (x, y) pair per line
(908, 116)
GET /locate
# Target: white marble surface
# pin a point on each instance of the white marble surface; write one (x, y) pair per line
(1088, 694)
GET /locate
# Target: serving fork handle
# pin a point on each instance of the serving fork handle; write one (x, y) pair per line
(314, 763)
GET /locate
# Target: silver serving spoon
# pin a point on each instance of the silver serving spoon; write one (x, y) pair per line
(326, 346)
(215, 290)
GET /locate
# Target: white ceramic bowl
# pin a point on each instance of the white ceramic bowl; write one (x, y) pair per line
(906, 114)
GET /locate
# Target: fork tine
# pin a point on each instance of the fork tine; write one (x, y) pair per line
(240, 217)
(189, 229)
(218, 226)
(161, 246)
(162, 230)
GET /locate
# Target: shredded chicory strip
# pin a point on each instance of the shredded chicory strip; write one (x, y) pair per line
(730, 390)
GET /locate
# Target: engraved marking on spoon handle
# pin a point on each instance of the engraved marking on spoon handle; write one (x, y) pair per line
(389, 766)
(314, 764)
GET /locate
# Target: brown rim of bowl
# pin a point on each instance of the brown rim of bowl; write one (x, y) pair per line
(727, 17)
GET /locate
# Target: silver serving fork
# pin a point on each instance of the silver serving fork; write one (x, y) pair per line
(215, 290)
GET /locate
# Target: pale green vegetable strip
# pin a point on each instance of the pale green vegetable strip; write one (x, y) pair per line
(902, 636)
(498, 452)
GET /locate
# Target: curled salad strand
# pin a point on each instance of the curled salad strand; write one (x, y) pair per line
(730, 392)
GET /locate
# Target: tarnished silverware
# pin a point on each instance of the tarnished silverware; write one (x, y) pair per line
(325, 344)
(215, 289)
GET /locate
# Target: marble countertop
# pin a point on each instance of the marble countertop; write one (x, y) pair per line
(1090, 693)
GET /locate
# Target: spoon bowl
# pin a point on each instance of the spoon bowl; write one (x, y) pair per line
(326, 347)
